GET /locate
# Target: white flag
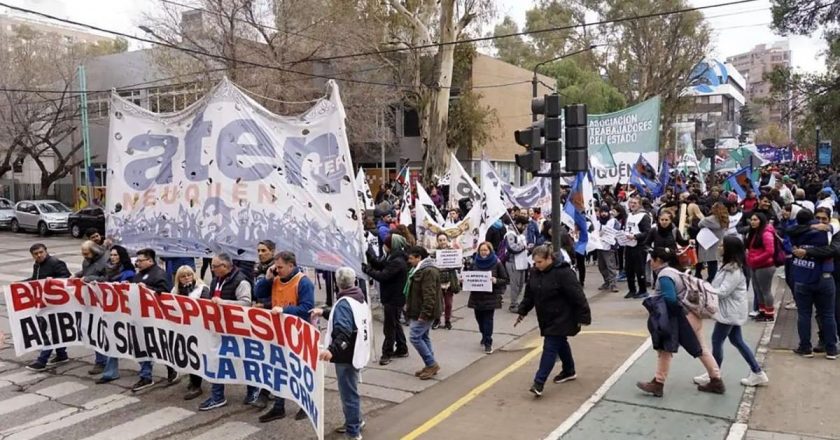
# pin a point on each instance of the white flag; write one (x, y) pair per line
(430, 208)
(461, 185)
(405, 208)
(492, 204)
(365, 196)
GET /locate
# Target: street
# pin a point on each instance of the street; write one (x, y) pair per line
(474, 395)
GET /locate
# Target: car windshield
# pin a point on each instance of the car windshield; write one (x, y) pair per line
(52, 208)
(5, 204)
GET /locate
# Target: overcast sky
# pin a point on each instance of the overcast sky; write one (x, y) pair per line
(736, 28)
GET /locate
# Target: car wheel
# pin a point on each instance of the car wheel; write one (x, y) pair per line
(42, 229)
(15, 226)
(76, 231)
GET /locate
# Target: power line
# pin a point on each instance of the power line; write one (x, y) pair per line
(535, 31)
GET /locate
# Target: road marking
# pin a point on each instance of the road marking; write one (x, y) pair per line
(19, 378)
(229, 431)
(42, 395)
(144, 425)
(443, 415)
(537, 342)
(68, 417)
(599, 393)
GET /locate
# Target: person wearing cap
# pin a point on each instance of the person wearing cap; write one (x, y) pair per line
(383, 225)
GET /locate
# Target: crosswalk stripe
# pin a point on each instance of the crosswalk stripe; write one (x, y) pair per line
(144, 425)
(67, 417)
(229, 431)
(19, 377)
(42, 395)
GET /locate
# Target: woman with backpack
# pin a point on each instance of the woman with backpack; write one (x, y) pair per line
(485, 303)
(682, 327)
(731, 285)
(761, 244)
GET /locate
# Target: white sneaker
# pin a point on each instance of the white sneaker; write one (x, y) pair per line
(754, 313)
(702, 379)
(754, 380)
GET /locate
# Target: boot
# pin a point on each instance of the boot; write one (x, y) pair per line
(653, 387)
(714, 386)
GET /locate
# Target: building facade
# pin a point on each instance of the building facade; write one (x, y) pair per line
(763, 59)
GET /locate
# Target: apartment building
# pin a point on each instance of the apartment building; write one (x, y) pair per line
(753, 65)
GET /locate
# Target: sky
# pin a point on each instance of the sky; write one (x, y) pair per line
(736, 28)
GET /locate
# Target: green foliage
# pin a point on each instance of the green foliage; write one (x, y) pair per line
(470, 123)
(513, 50)
(547, 14)
(802, 17)
(750, 119)
(578, 85)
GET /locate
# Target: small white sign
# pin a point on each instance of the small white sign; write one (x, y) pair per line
(449, 258)
(477, 281)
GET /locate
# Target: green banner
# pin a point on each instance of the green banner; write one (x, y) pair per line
(625, 134)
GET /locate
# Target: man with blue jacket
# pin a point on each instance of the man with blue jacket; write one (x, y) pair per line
(813, 287)
(292, 293)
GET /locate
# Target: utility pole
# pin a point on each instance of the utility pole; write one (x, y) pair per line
(85, 133)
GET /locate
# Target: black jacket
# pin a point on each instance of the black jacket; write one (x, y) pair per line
(52, 267)
(392, 274)
(154, 278)
(494, 236)
(659, 238)
(559, 299)
(491, 300)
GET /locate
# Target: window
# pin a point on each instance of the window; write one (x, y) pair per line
(98, 105)
(411, 123)
(173, 99)
(52, 208)
(132, 95)
(100, 173)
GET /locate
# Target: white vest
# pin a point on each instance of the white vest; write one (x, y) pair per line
(633, 221)
(364, 331)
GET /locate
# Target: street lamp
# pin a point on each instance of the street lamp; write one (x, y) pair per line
(818, 142)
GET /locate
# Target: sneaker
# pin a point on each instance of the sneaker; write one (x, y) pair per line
(564, 377)
(57, 360)
(384, 360)
(831, 356)
(653, 387)
(702, 379)
(357, 437)
(820, 348)
(192, 393)
(488, 349)
(614, 289)
(603, 287)
(430, 371)
(343, 428)
(754, 313)
(97, 369)
(142, 384)
(401, 354)
(436, 324)
(621, 277)
(36, 366)
(640, 295)
(714, 386)
(254, 399)
(211, 403)
(514, 308)
(755, 379)
(273, 414)
(104, 380)
(172, 377)
(791, 305)
(448, 325)
(763, 317)
(630, 294)
(806, 353)
(537, 389)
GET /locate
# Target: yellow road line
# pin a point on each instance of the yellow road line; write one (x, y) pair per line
(443, 415)
(472, 394)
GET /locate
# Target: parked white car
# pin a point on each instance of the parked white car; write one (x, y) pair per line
(7, 212)
(44, 216)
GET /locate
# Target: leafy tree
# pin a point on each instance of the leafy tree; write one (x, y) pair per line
(513, 50)
(772, 134)
(750, 120)
(578, 85)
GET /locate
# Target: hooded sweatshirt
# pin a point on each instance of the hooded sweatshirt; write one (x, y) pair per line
(344, 333)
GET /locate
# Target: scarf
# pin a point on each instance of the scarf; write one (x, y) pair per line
(185, 289)
(485, 263)
(427, 262)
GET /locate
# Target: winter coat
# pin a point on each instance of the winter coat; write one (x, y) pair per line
(392, 273)
(758, 258)
(664, 331)
(660, 238)
(495, 234)
(94, 270)
(424, 299)
(154, 278)
(731, 285)
(491, 300)
(52, 267)
(711, 223)
(559, 299)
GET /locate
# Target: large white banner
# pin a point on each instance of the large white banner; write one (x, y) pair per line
(222, 343)
(461, 185)
(465, 235)
(225, 173)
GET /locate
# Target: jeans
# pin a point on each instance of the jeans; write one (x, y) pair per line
(720, 333)
(419, 337)
(393, 331)
(99, 359)
(554, 347)
(112, 368)
(217, 392)
(146, 370)
(348, 389)
(635, 268)
(484, 318)
(608, 266)
(517, 282)
(44, 357)
(821, 296)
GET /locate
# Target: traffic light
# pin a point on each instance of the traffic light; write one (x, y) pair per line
(577, 138)
(709, 147)
(531, 139)
(552, 127)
